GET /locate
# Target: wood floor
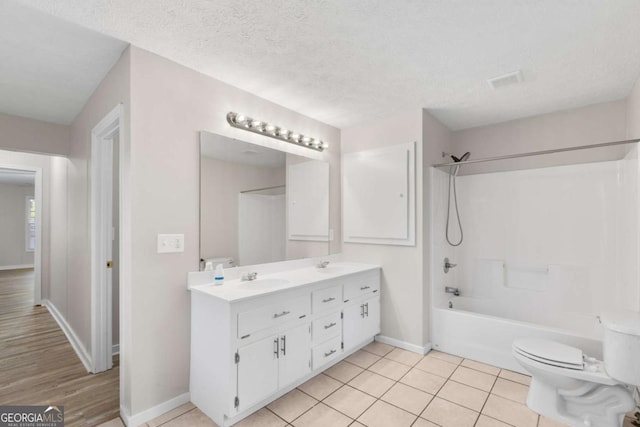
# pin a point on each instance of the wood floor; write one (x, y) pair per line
(38, 365)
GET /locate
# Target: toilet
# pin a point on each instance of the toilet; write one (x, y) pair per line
(573, 388)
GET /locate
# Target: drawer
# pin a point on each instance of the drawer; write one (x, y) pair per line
(326, 327)
(361, 287)
(326, 299)
(326, 352)
(273, 315)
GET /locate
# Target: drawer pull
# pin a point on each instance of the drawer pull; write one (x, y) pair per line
(328, 299)
(327, 354)
(364, 288)
(330, 325)
(284, 313)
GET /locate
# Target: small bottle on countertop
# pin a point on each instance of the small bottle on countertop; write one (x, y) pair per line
(218, 278)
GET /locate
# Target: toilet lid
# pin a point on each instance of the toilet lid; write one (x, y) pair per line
(550, 352)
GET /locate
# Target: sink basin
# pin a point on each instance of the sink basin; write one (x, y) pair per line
(262, 284)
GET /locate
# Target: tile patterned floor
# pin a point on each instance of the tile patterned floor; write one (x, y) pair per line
(384, 386)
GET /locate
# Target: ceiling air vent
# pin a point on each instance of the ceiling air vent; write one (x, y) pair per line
(504, 80)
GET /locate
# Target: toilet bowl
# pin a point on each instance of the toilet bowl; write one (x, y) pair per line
(571, 387)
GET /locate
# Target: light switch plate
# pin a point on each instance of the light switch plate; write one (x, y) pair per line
(170, 243)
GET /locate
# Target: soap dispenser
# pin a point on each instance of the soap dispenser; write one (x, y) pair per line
(218, 278)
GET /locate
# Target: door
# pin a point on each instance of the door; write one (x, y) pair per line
(295, 354)
(257, 371)
(352, 333)
(361, 321)
(372, 317)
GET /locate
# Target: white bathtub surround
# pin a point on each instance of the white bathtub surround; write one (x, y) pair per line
(252, 341)
(546, 250)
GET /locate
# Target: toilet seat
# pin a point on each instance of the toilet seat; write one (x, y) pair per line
(550, 353)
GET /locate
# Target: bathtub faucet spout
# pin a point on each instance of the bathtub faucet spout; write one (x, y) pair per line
(452, 290)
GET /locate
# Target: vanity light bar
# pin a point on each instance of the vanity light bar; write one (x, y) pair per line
(267, 129)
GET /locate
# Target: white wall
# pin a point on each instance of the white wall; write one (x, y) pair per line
(633, 112)
(581, 126)
(113, 90)
(35, 136)
(13, 224)
(220, 183)
(170, 104)
(402, 290)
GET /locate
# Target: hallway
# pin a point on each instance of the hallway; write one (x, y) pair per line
(38, 365)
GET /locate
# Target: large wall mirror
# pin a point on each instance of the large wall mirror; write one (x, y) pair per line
(260, 205)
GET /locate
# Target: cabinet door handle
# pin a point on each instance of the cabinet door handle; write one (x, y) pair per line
(284, 345)
(327, 354)
(366, 309)
(284, 313)
(361, 310)
(276, 350)
(364, 288)
(330, 325)
(328, 299)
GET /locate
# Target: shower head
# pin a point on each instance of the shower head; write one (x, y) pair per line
(462, 158)
(454, 170)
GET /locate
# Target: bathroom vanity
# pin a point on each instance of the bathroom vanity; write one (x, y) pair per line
(253, 341)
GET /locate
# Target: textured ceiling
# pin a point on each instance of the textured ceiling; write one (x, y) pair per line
(48, 67)
(347, 62)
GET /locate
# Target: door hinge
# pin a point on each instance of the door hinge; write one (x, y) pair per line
(236, 402)
(342, 345)
(309, 363)
(342, 314)
(237, 358)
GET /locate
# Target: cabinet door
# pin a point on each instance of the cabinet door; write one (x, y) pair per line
(295, 354)
(353, 325)
(257, 371)
(361, 322)
(371, 317)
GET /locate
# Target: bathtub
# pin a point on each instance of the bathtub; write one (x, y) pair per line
(476, 329)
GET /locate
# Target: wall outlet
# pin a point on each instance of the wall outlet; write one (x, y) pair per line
(169, 243)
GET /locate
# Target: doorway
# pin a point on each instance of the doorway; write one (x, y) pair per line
(21, 225)
(105, 240)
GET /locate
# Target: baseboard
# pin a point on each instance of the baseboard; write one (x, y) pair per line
(15, 267)
(71, 335)
(115, 349)
(404, 345)
(154, 412)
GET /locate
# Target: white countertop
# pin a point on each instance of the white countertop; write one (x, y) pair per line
(237, 290)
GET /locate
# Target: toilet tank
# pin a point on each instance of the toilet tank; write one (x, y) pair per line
(621, 345)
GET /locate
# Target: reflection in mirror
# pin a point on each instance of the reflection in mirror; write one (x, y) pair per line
(260, 205)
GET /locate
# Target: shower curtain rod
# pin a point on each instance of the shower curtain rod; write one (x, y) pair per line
(537, 153)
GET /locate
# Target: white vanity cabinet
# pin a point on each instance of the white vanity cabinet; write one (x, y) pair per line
(272, 363)
(247, 349)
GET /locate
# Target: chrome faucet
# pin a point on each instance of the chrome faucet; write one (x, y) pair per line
(448, 265)
(249, 276)
(452, 290)
(323, 264)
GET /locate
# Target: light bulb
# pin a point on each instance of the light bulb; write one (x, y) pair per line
(324, 145)
(240, 118)
(270, 128)
(295, 137)
(256, 123)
